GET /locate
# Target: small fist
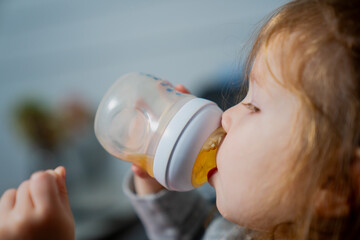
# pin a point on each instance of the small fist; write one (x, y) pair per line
(38, 209)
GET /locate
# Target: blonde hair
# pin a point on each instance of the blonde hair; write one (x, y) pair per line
(321, 66)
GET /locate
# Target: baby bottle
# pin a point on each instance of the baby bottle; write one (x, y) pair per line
(173, 136)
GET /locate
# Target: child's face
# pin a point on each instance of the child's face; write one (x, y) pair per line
(256, 153)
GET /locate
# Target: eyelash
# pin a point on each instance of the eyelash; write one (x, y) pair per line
(251, 107)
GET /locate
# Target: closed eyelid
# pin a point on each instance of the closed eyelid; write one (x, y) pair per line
(251, 107)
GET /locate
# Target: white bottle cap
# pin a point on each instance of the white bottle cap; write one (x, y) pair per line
(182, 141)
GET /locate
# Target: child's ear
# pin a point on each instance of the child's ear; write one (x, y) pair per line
(331, 203)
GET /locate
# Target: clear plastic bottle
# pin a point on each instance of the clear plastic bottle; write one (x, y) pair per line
(144, 120)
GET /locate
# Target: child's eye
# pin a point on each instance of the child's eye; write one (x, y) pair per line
(251, 107)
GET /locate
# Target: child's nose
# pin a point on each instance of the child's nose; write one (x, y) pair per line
(226, 119)
(231, 116)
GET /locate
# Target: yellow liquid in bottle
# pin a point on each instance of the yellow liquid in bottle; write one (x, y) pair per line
(206, 159)
(144, 161)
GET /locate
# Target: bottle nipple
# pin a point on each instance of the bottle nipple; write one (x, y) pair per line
(206, 159)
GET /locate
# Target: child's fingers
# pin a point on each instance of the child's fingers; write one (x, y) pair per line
(61, 177)
(23, 197)
(61, 181)
(61, 171)
(181, 88)
(8, 199)
(138, 171)
(43, 190)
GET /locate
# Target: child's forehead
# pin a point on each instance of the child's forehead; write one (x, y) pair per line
(267, 74)
(262, 69)
(273, 59)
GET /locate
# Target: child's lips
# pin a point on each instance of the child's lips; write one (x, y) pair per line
(210, 174)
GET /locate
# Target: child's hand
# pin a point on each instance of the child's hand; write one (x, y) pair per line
(38, 209)
(144, 183)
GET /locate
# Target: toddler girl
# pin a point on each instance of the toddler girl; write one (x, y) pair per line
(289, 167)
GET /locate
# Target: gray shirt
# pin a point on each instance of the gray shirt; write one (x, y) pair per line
(181, 215)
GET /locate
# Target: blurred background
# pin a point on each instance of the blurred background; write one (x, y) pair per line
(58, 58)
